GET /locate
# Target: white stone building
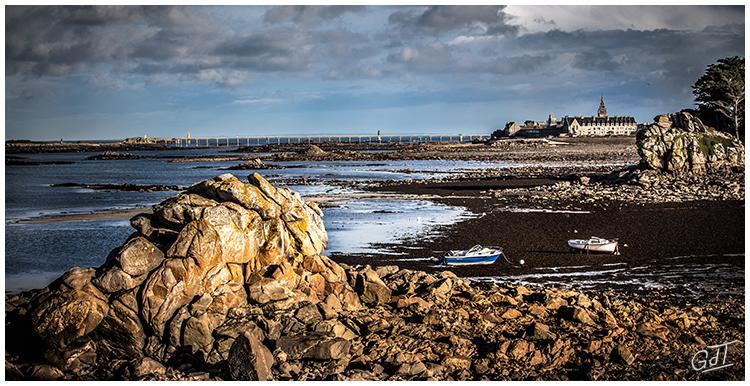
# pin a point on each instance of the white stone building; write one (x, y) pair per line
(600, 125)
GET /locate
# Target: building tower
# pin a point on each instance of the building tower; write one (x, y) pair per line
(602, 112)
(551, 121)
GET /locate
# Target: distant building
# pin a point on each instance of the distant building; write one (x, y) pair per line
(145, 140)
(529, 129)
(600, 125)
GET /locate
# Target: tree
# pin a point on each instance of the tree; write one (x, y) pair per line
(722, 89)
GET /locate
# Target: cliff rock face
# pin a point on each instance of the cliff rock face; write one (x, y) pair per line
(680, 143)
(212, 249)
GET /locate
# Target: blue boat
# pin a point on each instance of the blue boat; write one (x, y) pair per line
(474, 256)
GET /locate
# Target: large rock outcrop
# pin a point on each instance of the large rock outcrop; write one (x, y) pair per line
(680, 143)
(220, 245)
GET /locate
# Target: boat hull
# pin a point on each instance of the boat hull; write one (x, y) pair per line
(602, 248)
(472, 260)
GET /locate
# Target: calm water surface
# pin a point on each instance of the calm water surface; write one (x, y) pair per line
(36, 253)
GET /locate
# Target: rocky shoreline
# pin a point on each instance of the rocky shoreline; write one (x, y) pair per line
(254, 164)
(226, 280)
(121, 187)
(110, 155)
(22, 161)
(186, 298)
(77, 147)
(581, 150)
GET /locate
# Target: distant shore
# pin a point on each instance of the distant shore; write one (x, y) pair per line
(16, 147)
(587, 150)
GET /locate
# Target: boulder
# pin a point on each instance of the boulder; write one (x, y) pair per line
(116, 280)
(253, 164)
(267, 290)
(176, 212)
(71, 311)
(145, 226)
(411, 368)
(250, 360)
(314, 151)
(519, 349)
(541, 331)
(314, 346)
(680, 143)
(335, 328)
(332, 349)
(173, 285)
(148, 367)
(199, 257)
(653, 330)
(308, 314)
(139, 256)
(538, 311)
(511, 313)
(577, 314)
(79, 358)
(120, 333)
(371, 288)
(623, 353)
(45, 373)
(330, 307)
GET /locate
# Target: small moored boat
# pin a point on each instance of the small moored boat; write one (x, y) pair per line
(476, 255)
(594, 244)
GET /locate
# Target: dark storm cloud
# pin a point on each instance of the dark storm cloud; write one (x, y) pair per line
(54, 41)
(272, 50)
(438, 19)
(596, 60)
(61, 40)
(308, 14)
(152, 40)
(193, 43)
(636, 51)
(442, 58)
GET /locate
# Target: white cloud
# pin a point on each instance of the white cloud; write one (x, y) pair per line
(540, 18)
(222, 76)
(114, 82)
(256, 101)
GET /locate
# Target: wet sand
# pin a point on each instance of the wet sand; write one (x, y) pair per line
(115, 214)
(125, 214)
(697, 233)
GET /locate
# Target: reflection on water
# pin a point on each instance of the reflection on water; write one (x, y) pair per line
(37, 253)
(28, 191)
(353, 227)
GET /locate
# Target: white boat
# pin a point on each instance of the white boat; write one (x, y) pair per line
(594, 244)
(476, 255)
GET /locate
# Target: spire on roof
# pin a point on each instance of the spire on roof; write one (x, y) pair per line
(602, 112)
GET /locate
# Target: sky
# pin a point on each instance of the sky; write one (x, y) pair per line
(110, 72)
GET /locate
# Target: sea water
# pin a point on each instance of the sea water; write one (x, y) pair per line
(38, 251)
